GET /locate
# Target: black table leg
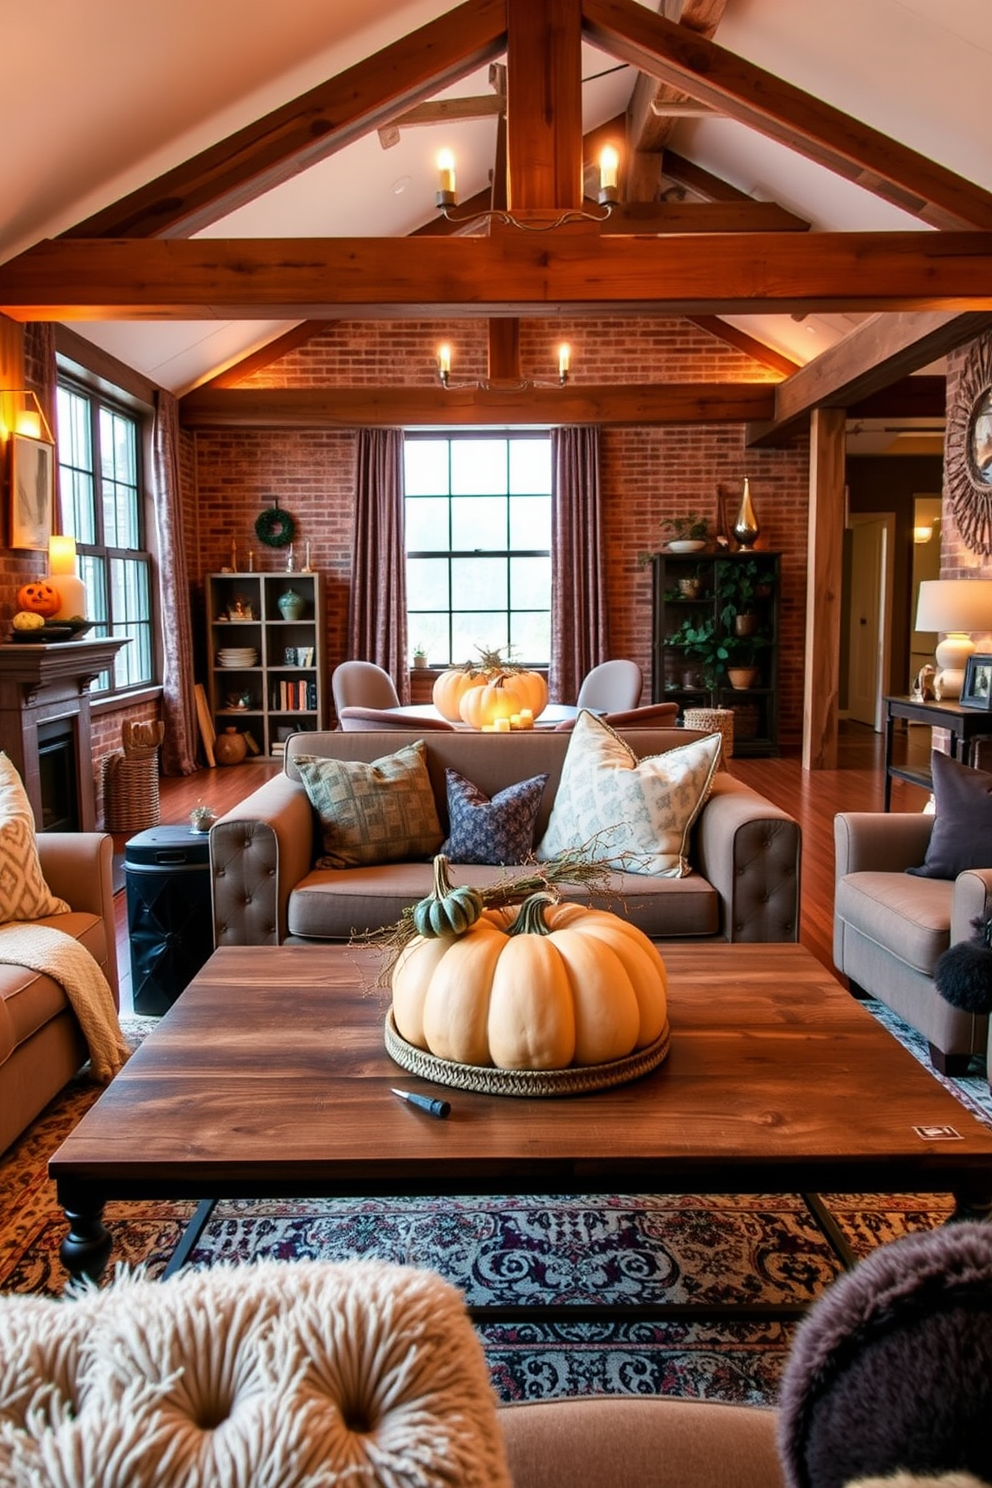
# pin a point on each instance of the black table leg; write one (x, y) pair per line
(85, 1250)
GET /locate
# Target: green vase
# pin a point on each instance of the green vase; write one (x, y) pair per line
(291, 605)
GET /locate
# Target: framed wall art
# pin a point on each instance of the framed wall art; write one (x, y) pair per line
(32, 492)
(977, 689)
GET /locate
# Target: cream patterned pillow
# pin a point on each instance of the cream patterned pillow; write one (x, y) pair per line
(382, 812)
(633, 814)
(24, 894)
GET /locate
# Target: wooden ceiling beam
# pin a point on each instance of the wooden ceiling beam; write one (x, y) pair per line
(697, 217)
(786, 113)
(289, 139)
(764, 355)
(506, 273)
(878, 353)
(544, 105)
(319, 408)
(648, 132)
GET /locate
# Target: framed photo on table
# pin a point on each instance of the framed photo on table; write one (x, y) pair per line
(32, 492)
(977, 689)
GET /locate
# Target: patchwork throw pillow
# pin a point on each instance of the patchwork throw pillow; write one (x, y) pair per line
(382, 812)
(962, 826)
(24, 894)
(633, 814)
(497, 831)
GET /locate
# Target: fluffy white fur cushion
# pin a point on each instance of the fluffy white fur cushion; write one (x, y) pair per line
(274, 1375)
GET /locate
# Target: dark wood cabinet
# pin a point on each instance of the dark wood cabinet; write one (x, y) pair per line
(715, 639)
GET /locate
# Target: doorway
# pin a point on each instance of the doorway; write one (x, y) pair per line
(872, 544)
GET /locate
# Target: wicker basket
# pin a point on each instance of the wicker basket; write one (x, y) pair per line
(485, 1080)
(714, 721)
(130, 791)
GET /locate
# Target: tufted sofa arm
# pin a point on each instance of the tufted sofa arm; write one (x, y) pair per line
(749, 850)
(258, 853)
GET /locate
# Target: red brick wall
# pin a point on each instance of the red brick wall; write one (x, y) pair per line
(648, 472)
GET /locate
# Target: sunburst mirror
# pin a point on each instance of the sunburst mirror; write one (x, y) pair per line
(968, 450)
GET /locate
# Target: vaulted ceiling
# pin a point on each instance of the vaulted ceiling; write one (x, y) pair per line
(193, 180)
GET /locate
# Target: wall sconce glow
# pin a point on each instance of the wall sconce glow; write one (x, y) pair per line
(28, 422)
(564, 362)
(444, 363)
(609, 166)
(445, 179)
(922, 534)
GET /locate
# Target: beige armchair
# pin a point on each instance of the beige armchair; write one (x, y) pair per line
(890, 927)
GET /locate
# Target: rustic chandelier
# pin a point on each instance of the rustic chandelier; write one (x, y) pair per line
(499, 385)
(446, 200)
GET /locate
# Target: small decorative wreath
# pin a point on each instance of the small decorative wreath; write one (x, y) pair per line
(275, 527)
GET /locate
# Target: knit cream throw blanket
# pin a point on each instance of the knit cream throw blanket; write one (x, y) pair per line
(44, 949)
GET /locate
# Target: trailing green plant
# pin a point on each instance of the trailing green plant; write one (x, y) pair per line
(690, 528)
(739, 584)
(700, 639)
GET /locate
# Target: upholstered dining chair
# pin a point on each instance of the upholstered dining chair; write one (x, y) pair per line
(368, 720)
(362, 684)
(611, 687)
(652, 715)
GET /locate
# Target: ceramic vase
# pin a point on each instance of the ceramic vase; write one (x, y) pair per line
(746, 526)
(291, 605)
(230, 747)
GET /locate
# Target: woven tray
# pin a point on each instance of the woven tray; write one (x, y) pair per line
(576, 1080)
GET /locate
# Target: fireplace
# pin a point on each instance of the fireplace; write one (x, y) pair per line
(45, 726)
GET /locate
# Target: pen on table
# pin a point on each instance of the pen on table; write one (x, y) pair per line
(438, 1108)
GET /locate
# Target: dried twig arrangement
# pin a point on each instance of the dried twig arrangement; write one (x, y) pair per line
(578, 865)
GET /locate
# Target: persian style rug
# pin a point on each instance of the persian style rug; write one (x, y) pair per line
(609, 1250)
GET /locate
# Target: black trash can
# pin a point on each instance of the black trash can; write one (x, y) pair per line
(167, 873)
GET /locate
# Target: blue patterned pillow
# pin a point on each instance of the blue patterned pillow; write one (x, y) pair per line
(499, 831)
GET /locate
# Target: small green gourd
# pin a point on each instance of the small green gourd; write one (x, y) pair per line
(447, 910)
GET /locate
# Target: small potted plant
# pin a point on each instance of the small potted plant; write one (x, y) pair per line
(419, 658)
(688, 534)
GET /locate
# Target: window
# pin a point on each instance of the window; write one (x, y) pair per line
(478, 544)
(102, 507)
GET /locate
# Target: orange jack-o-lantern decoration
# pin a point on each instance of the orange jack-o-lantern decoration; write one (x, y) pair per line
(41, 597)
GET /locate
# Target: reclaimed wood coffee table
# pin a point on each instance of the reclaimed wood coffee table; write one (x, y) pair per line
(268, 1077)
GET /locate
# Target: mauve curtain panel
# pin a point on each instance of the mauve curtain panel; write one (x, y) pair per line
(178, 702)
(377, 605)
(579, 638)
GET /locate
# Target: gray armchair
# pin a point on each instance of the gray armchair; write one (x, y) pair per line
(890, 927)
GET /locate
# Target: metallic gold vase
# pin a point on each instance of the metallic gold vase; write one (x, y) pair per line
(746, 526)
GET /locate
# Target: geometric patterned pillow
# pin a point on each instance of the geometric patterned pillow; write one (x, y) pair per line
(24, 894)
(633, 814)
(499, 831)
(383, 812)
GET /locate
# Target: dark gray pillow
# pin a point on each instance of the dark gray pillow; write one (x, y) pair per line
(962, 827)
(498, 831)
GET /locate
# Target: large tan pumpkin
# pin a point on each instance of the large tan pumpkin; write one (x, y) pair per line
(492, 700)
(531, 689)
(541, 988)
(450, 688)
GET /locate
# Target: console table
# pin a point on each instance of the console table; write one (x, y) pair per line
(963, 725)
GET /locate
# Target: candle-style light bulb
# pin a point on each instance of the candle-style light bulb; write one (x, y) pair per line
(28, 422)
(445, 178)
(564, 361)
(609, 166)
(444, 363)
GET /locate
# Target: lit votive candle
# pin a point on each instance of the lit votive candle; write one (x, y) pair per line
(514, 720)
(502, 726)
(526, 718)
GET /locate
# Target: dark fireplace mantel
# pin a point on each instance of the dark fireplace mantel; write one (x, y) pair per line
(44, 692)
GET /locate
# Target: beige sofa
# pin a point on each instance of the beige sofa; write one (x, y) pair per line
(890, 927)
(41, 1046)
(744, 851)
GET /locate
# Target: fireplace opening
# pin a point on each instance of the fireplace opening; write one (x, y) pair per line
(57, 776)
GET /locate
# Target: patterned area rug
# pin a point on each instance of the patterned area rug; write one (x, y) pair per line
(650, 1250)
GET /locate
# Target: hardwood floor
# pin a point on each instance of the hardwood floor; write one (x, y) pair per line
(813, 798)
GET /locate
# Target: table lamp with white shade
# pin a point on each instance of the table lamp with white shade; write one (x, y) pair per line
(955, 607)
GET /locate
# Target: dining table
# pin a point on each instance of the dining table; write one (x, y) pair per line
(549, 718)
